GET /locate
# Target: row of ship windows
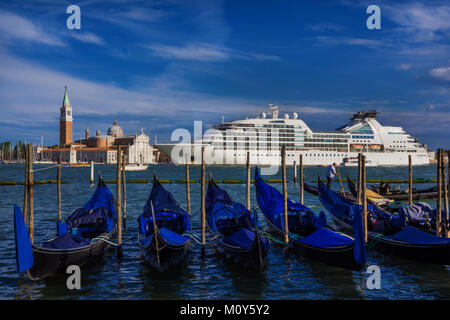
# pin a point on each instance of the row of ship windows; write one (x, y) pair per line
(291, 155)
(326, 140)
(334, 136)
(363, 137)
(252, 136)
(256, 132)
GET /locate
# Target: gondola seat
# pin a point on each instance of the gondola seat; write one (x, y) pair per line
(172, 238)
(244, 238)
(66, 241)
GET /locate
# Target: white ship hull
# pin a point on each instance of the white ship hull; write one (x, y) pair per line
(310, 157)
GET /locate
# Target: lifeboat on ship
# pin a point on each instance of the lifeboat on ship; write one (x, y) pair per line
(375, 146)
(357, 146)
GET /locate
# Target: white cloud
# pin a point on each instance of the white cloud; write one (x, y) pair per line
(87, 37)
(200, 52)
(442, 73)
(419, 22)
(14, 27)
(403, 67)
(323, 27)
(205, 52)
(336, 41)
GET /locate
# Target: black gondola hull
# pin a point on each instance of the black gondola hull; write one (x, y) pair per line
(341, 256)
(169, 255)
(252, 258)
(436, 254)
(52, 261)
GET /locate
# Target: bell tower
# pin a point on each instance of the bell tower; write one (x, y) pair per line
(65, 122)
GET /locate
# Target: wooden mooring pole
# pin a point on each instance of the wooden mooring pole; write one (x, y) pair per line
(202, 201)
(364, 195)
(439, 193)
(448, 193)
(92, 172)
(295, 171)
(58, 187)
(119, 201)
(359, 196)
(188, 191)
(26, 188)
(302, 180)
(124, 187)
(445, 195)
(410, 179)
(31, 191)
(248, 181)
(285, 208)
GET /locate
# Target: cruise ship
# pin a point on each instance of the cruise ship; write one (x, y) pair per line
(262, 137)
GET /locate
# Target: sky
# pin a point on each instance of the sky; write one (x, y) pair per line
(160, 65)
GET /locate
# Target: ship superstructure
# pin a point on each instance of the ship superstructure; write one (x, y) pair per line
(264, 136)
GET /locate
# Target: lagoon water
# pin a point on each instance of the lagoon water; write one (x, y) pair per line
(200, 278)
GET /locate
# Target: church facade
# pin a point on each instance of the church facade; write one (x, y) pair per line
(101, 148)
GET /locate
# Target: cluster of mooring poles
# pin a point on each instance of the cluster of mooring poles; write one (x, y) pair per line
(28, 200)
(442, 221)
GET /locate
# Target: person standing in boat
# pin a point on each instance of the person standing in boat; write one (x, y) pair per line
(331, 173)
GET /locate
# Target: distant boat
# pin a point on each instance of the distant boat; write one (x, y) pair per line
(136, 167)
(43, 162)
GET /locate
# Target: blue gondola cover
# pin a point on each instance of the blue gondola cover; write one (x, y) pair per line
(171, 219)
(359, 248)
(172, 238)
(24, 250)
(226, 215)
(242, 239)
(416, 236)
(270, 201)
(66, 241)
(61, 227)
(324, 238)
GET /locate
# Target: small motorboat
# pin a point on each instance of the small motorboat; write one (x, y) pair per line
(136, 167)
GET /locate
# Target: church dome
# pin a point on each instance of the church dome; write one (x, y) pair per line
(115, 130)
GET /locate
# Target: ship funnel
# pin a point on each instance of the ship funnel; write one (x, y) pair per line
(263, 115)
(273, 110)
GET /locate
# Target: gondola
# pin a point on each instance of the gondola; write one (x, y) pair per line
(83, 237)
(235, 229)
(166, 243)
(310, 235)
(419, 215)
(310, 189)
(387, 232)
(421, 194)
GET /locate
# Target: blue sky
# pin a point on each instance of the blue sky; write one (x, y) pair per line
(160, 65)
